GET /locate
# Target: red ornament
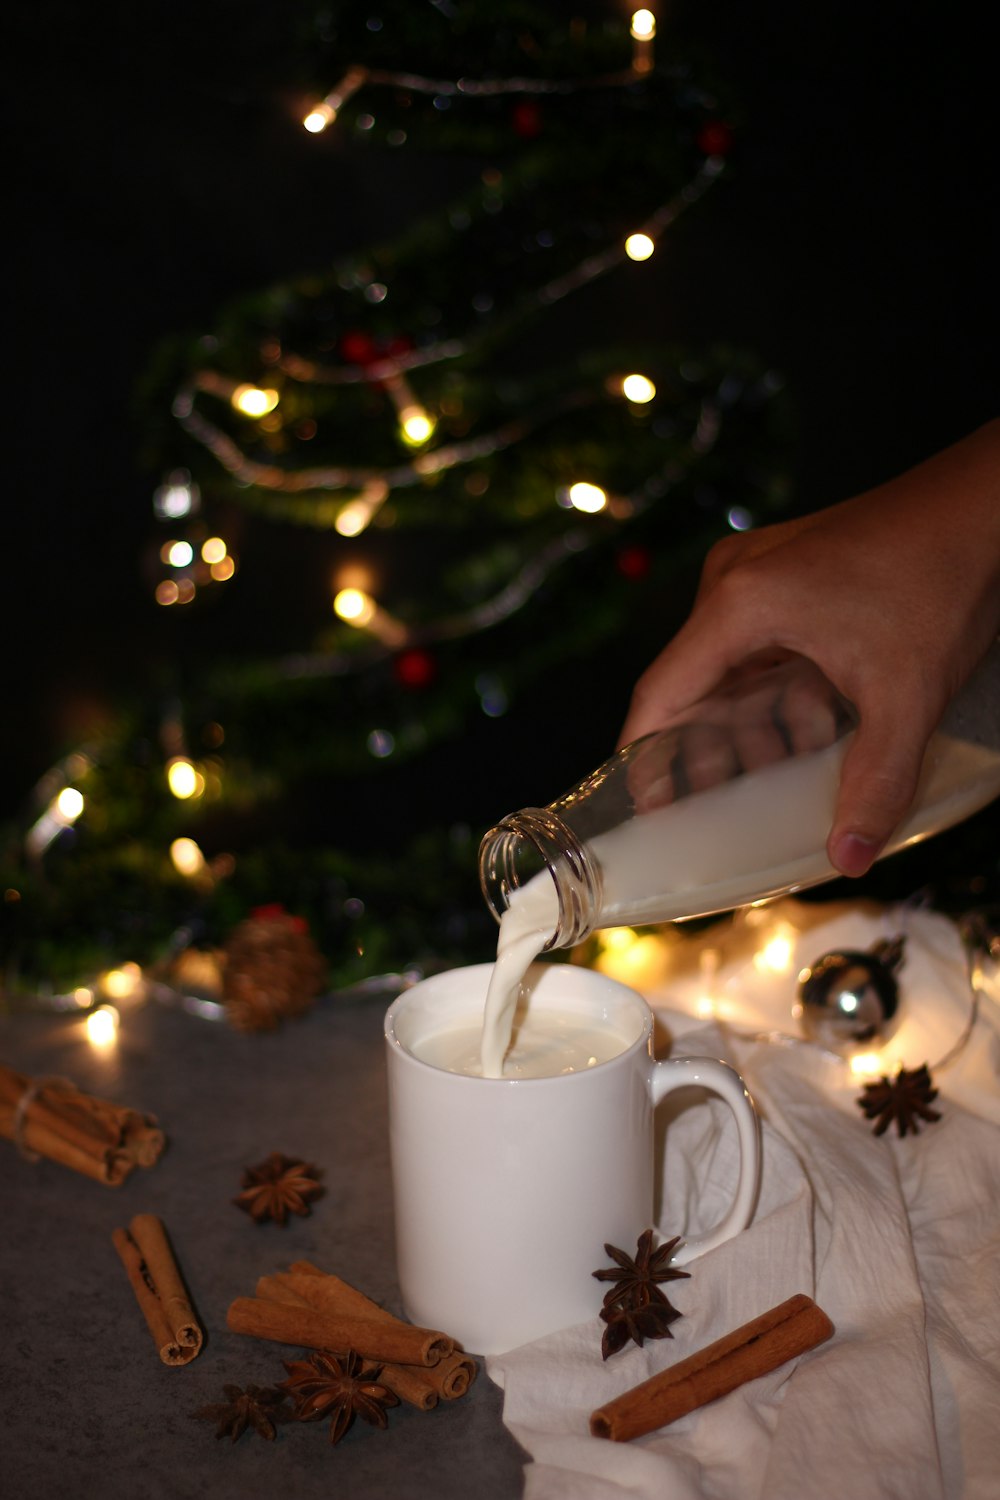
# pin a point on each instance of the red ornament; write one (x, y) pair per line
(414, 669)
(275, 912)
(715, 138)
(633, 563)
(526, 117)
(358, 348)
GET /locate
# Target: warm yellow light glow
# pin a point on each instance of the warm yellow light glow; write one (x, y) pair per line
(182, 778)
(633, 958)
(318, 118)
(776, 955)
(643, 25)
(122, 982)
(167, 592)
(213, 549)
(867, 1065)
(69, 804)
(187, 857)
(223, 569)
(617, 938)
(416, 425)
(252, 401)
(638, 388)
(354, 606)
(588, 497)
(179, 554)
(353, 519)
(102, 1026)
(639, 247)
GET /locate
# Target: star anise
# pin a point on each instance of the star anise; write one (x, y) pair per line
(635, 1280)
(634, 1307)
(340, 1386)
(651, 1321)
(905, 1099)
(259, 1407)
(277, 1187)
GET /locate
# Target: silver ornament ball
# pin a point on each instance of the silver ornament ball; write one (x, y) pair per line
(850, 999)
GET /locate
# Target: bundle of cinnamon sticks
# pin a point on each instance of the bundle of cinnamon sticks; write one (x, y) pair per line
(307, 1306)
(155, 1278)
(50, 1117)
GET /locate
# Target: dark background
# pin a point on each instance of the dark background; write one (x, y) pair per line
(156, 168)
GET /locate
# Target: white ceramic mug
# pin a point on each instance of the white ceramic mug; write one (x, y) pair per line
(506, 1189)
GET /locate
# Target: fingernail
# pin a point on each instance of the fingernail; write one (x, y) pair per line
(853, 855)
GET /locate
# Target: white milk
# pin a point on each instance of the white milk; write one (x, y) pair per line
(759, 835)
(543, 1044)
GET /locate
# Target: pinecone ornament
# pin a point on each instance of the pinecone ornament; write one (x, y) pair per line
(272, 970)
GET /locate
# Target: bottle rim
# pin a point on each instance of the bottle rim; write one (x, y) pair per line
(574, 873)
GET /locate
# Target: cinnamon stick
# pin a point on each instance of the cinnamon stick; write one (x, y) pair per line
(288, 1323)
(450, 1378)
(411, 1383)
(50, 1117)
(754, 1349)
(152, 1271)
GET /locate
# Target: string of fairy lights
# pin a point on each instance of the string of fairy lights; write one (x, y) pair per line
(349, 497)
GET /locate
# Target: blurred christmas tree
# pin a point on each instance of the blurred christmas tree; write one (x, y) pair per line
(459, 499)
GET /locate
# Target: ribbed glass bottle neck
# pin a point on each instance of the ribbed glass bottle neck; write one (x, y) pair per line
(528, 844)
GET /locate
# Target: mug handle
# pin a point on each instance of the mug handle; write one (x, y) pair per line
(704, 1072)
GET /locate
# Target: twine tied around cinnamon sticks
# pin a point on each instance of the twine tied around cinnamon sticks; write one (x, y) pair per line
(310, 1307)
(50, 1117)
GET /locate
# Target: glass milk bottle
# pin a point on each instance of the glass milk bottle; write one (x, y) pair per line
(729, 804)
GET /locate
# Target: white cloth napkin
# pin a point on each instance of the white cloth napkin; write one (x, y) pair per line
(898, 1240)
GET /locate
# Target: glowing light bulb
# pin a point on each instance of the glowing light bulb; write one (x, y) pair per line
(223, 569)
(183, 780)
(69, 804)
(102, 1027)
(587, 497)
(167, 592)
(638, 389)
(213, 550)
(177, 498)
(639, 247)
(353, 519)
(186, 857)
(416, 425)
(319, 118)
(776, 955)
(123, 982)
(178, 554)
(354, 606)
(253, 401)
(357, 514)
(867, 1065)
(642, 31)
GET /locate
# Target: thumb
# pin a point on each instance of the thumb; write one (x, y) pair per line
(878, 783)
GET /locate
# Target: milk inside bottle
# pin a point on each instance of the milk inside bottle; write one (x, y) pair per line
(731, 805)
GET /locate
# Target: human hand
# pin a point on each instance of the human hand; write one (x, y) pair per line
(895, 595)
(766, 711)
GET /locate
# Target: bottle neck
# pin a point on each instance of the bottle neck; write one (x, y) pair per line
(532, 844)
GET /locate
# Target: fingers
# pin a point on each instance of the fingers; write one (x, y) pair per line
(877, 787)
